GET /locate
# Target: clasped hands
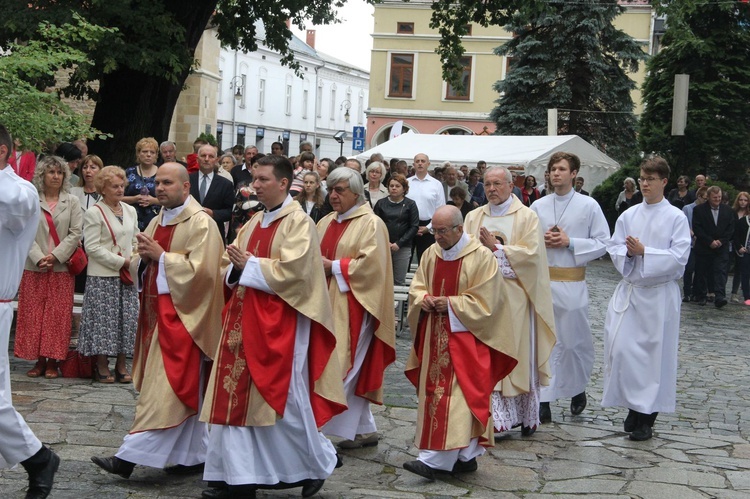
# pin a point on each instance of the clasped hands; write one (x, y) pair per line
(437, 304)
(556, 238)
(148, 248)
(238, 257)
(634, 246)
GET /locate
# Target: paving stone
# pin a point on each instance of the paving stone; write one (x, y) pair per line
(583, 486)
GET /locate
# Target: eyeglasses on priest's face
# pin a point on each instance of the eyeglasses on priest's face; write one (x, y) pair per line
(442, 232)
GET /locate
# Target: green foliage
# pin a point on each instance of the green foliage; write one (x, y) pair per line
(35, 116)
(570, 57)
(710, 42)
(208, 138)
(451, 18)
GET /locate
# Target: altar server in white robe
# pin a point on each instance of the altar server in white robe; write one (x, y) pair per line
(19, 219)
(650, 248)
(575, 232)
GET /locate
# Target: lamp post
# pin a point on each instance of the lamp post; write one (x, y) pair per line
(339, 137)
(237, 84)
(347, 104)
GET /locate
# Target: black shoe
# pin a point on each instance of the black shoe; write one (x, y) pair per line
(642, 432)
(311, 487)
(578, 404)
(545, 413)
(465, 466)
(216, 493)
(630, 421)
(41, 468)
(181, 469)
(114, 465)
(701, 302)
(720, 303)
(420, 469)
(527, 431)
(339, 461)
(686, 299)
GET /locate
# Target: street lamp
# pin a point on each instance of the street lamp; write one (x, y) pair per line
(347, 104)
(238, 84)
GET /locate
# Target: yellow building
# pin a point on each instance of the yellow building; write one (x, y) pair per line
(406, 74)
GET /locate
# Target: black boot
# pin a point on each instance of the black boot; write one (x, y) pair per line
(643, 426)
(630, 420)
(41, 468)
(545, 413)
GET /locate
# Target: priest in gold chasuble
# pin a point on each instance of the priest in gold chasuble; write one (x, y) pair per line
(458, 355)
(511, 231)
(276, 377)
(178, 330)
(357, 260)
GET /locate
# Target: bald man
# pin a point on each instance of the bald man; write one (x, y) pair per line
(178, 330)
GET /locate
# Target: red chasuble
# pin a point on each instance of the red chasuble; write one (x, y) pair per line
(180, 355)
(453, 356)
(378, 357)
(258, 342)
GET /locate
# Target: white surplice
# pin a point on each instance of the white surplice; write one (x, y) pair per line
(19, 219)
(643, 319)
(572, 359)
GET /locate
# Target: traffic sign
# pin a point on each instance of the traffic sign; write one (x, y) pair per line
(358, 132)
(358, 144)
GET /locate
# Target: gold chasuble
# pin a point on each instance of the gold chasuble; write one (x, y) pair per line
(523, 244)
(175, 329)
(455, 372)
(250, 379)
(361, 244)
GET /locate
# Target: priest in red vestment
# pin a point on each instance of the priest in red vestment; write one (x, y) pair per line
(357, 261)
(178, 331)
(276, 378)
(459, 351)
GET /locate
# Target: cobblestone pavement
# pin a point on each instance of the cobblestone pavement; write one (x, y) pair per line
(700, 451)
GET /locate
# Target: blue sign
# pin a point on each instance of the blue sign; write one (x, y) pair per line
(358, 138)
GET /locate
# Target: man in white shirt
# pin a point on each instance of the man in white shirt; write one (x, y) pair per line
(427, 192)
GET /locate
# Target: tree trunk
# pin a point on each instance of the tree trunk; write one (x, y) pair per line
(133, 105)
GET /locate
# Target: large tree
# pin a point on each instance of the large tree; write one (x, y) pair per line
(570, 57)
(141, 67)
(710, 41)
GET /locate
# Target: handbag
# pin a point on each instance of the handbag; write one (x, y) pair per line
(76, 365)
(125, 276)
(78, 259)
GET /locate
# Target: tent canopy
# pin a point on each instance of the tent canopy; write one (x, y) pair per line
(530, 153)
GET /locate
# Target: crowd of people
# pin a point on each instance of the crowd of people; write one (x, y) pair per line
(254, 294)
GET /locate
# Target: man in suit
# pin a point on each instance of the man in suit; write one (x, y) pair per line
(713, 226)
(579, 186)
(242, 174)
(213, 192)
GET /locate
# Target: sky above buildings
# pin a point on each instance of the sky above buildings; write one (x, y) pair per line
(350, 40)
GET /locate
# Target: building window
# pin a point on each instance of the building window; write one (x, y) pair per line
(405, 28)
(319, 101)
(220, 95)
(333, 103)
(288, 102)
(464, 94)
(262, 94)
(305, 97)
(402, 75)
(220, 134)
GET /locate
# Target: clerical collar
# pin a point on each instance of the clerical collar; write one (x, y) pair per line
(451, 253)
(569, 194)
(169, 214)
(501, 209)
(340, 218)
(270, 215)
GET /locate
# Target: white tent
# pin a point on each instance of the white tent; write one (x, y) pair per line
(531, 153)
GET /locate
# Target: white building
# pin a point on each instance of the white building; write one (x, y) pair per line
(259, 101)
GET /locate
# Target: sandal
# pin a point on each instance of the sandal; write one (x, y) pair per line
(123, 378)
(102, 378)
(37, 370)
(51, 372)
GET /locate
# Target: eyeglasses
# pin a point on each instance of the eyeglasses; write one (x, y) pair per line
(340, 189)
(648, 180)
(442, 232)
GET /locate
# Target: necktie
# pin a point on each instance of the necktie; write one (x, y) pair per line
(202, 190)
